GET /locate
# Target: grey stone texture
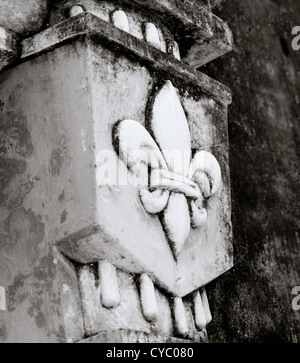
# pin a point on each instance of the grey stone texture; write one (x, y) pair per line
(253, 302)
(59, 104)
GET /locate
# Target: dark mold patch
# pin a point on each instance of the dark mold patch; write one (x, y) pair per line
(16, 193)
(37, 288)
(63, 216)
(58, 157)
(16, 293)
(40, 321)
(8, 169)
(13, 185)
(62, 196)
(14, 134)
(24, 227)
(20, 244)
(15, 139)
(3, 332)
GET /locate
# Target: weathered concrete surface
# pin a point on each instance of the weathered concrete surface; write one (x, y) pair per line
(95, 234)
(58, 110)
(23, 17)
(189, 28)
(35, 203)
(134, 19)
(208, 250)
(201, 35)
(103, 32)
(252, 303)
(39, 306)
(127, 316)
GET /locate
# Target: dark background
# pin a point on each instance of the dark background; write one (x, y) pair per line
(252, 302)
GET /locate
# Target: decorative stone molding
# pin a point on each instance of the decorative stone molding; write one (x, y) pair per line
(202, 36)
(120, 20)
(75, 10)
(184, 318)
(188, 29)
(93, 26)
(110, 294)
(205, 37)
(148, 298)
(117, 253)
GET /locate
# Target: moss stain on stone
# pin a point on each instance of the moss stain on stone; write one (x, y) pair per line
(58, 157)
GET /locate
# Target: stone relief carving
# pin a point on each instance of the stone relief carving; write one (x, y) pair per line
(100, 298)
(179, 182)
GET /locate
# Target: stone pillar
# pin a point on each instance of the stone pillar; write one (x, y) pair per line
(115, 187)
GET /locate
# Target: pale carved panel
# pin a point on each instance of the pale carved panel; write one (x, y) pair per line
(162, 204)
(178, 183)
(158, 206)
(166, 226)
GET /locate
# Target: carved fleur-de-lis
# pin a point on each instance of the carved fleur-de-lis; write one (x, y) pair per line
(178, 182)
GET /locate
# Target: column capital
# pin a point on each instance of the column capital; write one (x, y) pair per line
(186, 29)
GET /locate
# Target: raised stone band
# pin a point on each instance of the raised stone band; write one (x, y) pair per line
(167, 180)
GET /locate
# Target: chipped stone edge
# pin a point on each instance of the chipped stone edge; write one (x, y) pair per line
(188, 14)
(8, 47)
(196, 22)
(100, 31)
